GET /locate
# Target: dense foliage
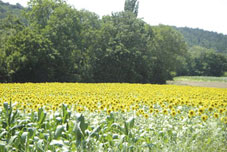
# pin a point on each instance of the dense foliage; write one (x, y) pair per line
(200, 61)
(53, 42)
(112, 117)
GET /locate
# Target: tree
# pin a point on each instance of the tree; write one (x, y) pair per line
(131, 6)
(39, 11)
(61, 25)
(63, 30)
(89, 33)
(3, 67)
(167, 46)
(29, 57)
(122, 49)
(9, 27)
(206, 62)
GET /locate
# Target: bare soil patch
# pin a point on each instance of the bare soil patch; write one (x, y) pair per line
(200, 84)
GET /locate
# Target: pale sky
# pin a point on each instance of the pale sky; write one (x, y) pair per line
(209, 15)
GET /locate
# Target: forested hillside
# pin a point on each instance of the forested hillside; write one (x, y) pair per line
(6, 9)
(199, 37)
(54, 42)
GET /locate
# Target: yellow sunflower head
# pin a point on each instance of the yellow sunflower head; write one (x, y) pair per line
(204, 117)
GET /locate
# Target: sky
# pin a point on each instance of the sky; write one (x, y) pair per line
(209, 15)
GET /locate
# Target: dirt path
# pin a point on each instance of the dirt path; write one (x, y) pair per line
(200, 84)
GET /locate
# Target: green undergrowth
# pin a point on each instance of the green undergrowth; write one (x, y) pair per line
(66, 130)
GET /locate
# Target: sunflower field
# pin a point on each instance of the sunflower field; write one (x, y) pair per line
(111, 117)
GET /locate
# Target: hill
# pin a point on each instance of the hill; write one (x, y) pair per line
(207, 39)
(6, 9)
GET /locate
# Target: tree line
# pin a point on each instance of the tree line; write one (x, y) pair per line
(54, 42)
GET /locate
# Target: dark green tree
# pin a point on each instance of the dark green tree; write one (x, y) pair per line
(3, 67)
(167, 46)
(122, 50)
(62, 25)
(63, 30)
(9, 27)
(89, 36)
(29, 57)
(206, 62)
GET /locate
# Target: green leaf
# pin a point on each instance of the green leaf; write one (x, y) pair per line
(131, 122)
(95, 131)
(115, 136)
(209, 141)
(6, 106)
(17, 127)
(13, 117)
(41, 116)
(65, 113)
(58, 143)
(3, 133)
(58, 131)
(118, 127)
(110, 119)
(108, 137)
(32, 116)
(2, 146)
(126, 128)
(39, 146)
(80, 118)
(31, 132)
(11, 140)
(40, 112)
(24, 136)
(78, 133)
(82, 125)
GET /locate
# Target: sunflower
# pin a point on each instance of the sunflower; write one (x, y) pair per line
(173, 113)
(216, 115)
(211, 108)
(163, 105)
(201, 110)
(141, 111)
(178, 111)
(170, 106)
(165, 111)
(102, 107)
(191, 113)
(151, 110)
(221, 110)
(108, 111)
(54, 108)
(204, 117)
(146, 116)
